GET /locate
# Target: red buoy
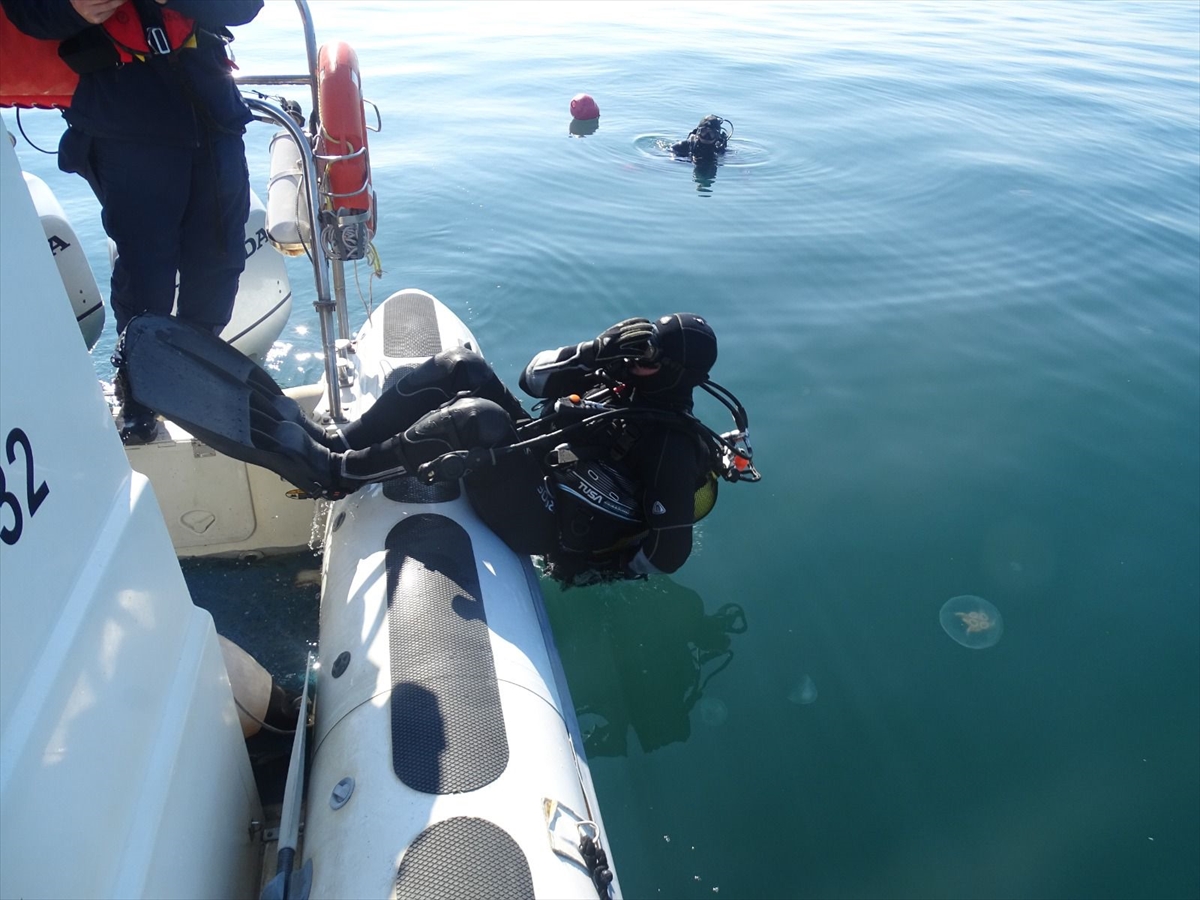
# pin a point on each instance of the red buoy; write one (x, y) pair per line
(584, 107)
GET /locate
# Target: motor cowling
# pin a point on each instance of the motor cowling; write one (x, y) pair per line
(77, 277)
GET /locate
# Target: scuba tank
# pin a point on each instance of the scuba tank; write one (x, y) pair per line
(289, 223)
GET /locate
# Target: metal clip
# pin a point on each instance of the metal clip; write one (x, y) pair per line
(156, 40)
(562, 455)
(578, 839)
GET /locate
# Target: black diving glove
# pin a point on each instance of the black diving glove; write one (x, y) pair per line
(631, 339)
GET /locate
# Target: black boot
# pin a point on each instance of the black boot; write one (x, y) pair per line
(379, 462)
(139, 424)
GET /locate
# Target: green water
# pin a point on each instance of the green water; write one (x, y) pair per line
(953, 260)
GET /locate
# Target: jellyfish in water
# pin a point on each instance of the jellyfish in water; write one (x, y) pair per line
(972, 621)
(712, 711)
(804, 693)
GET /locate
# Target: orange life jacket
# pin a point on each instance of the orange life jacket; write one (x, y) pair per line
(133, 39)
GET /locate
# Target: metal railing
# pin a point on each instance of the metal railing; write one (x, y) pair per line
(330, 306)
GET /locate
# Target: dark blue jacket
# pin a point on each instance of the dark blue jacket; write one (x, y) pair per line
(155, 101)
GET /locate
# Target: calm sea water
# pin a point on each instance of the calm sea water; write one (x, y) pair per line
(953, 258)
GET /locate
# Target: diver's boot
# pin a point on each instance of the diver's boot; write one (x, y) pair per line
(379, 462)
(290, 452)
(139, 424)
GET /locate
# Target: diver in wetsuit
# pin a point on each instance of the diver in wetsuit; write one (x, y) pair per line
(605, 483)
(705, 142)
(613, 498)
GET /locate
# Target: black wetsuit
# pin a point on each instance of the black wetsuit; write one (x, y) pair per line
(668, 463)
(704, 143)
(455, 401)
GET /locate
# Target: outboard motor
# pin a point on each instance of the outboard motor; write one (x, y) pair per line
(73, 268)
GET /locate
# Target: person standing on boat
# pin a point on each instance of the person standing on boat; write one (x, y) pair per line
(617, 500)
(155, 127)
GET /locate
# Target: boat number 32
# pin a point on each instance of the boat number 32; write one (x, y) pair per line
(12, 504)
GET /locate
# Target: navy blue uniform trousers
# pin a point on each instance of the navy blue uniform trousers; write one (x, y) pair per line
(169, 209)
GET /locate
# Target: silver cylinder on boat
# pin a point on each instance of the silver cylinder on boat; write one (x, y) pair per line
(289, 226)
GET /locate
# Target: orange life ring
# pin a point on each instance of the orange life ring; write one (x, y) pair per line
(346, 169)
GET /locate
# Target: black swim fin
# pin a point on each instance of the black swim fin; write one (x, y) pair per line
(224, 399)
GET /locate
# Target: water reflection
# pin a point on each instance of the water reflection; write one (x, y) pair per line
(741, 154)
(704, 173)
(583, 127)
(639, 657)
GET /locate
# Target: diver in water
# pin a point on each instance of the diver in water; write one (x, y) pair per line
(606, 482)
(705, 142)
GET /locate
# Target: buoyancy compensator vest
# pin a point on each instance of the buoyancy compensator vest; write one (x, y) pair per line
(598, 501)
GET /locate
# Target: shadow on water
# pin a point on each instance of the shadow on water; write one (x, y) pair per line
(639, 656)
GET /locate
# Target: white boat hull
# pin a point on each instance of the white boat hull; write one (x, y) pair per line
(123, 771)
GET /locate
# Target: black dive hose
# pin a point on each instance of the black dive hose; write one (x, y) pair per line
(457, 463)
(731, 403)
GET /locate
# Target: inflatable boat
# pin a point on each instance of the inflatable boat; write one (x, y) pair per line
(442, 705)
